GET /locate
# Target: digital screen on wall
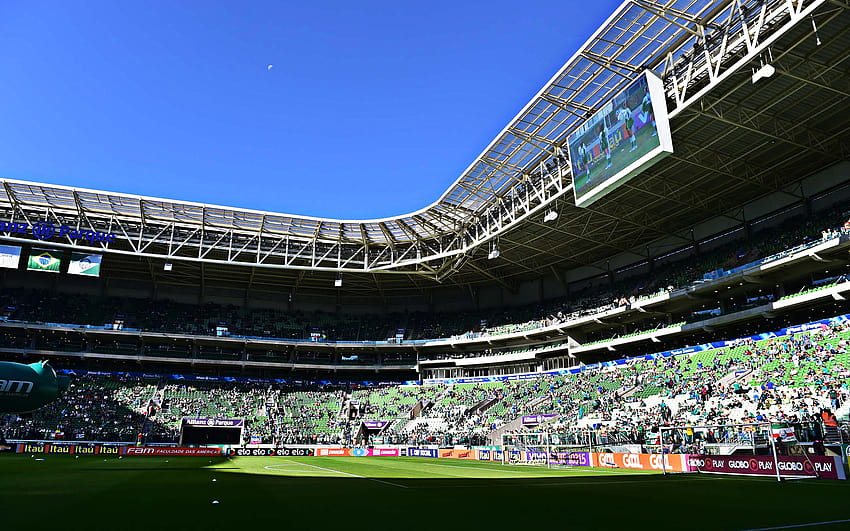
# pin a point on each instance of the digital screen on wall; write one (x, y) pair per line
(630, 133)
(10, 256)
(44, 260)
(85, 264)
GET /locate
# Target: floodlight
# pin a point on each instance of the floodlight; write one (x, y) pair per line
(494, 250)
(764, 72)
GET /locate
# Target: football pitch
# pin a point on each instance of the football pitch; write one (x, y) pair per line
(49, 492)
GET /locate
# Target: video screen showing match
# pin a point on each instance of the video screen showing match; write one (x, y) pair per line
(629, 134)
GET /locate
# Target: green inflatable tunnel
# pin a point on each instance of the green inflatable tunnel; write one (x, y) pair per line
(25, 388)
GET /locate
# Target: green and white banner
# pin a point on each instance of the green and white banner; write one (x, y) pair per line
(44, 260)
(784, 433)
(85, 264)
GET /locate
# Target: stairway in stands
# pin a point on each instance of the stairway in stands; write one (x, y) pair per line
(495, 436)
(154, 405)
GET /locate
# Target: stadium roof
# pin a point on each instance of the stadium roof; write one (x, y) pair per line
(734, 141)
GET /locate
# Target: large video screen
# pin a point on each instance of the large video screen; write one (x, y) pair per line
(211, 431)
(45, 260)
(10, 256)
(85, 264)
(630, 133)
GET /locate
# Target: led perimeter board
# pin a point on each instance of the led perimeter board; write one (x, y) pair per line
(630, 133)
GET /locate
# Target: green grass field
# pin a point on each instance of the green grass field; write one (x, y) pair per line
(391, 493)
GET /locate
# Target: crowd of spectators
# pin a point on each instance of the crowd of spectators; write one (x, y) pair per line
(789, 379)
(492, 352)
(794, 380)
(786, 379)
(608, 293)
(93, 408)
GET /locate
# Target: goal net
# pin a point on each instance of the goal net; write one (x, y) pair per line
(525, 448)
(748, 449)
(544, 449)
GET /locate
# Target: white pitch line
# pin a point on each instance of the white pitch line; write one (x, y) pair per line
(577, 471)
(795, 526)
(525, 483)
(275, 468)
(619, 471)
(474, 468)
(352, 475)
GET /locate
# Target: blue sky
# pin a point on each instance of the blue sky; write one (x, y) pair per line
(371, 109)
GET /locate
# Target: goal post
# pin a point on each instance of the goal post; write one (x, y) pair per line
(543, 449)
(750, 449)
(529, 448)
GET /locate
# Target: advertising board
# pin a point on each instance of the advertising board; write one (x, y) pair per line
(270, 452)
(764, 465)
(171, 451)
(457, 454)
(649, 462)
(422, 452)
